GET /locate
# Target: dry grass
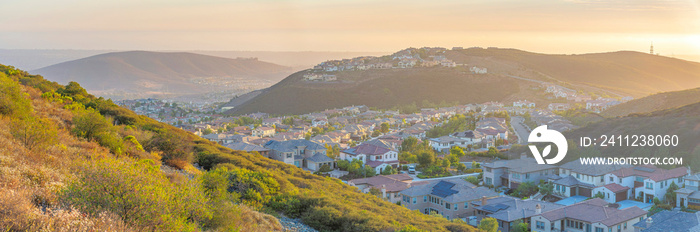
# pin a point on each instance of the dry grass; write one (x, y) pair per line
(30, 179)
(21, 211)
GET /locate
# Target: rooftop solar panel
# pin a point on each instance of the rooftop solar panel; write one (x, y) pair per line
(443, 189)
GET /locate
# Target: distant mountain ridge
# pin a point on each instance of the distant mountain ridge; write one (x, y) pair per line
(144, 72)
(451, 79)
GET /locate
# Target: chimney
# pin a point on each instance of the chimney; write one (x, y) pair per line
(383, 191)
(649, 221)
(538, 209)
(483, 201)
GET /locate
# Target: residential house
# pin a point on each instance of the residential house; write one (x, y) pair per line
(240, 146)
(301, 153)
(579, 179)
(594, 215)
(219, 138)
(666, 221)
(511, 173)
(389, 185)
(509, 210)
(452, 198)
(271, 121)
(319, 122)
(559, 106)
(264, 131)
(524, 104)
(689, 196)
(376, 156)
(646, 182)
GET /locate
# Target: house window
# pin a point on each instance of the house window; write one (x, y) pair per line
(578, 176)
(539, 225)
(466, 205)
(289, 156)
(625, 225)
(456, 206)
(611, 179)
(602, 178)
(619, 228)
(425, 198)
(649, 185)
(527, 176)
(598, 229)
(448, 206)
(414, 200)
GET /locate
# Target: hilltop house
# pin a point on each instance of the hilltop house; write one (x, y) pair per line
(558, 106)
(593, 215)
(450, 198)
(511, 173)
(509, 210)
(301, 153)
(376, 156)
(689, 196)
(524, 104)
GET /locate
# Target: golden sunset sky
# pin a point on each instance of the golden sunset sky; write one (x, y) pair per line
(554, 26)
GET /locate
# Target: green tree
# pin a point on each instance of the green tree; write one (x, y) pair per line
(446, 163)
(520, 226)
(546, 188)
(409, 144)
(457, 151)
(89, 123)
(473, 180)
(34, 132)
(488, 225)
(461, 167)
(425, 158)
(13, 102)
(670, 196)
(384, 127)
(388, 170)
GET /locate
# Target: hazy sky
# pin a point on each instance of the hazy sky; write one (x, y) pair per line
(554, 26)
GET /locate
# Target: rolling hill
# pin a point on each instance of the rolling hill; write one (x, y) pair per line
(143, 73)
(378, 88)
(614, 74)
(682, 121)
(660, 101)
(624, 72)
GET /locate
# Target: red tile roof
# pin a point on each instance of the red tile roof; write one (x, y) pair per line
(616, 188)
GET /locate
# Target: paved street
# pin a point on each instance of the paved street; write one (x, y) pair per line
(518, 124)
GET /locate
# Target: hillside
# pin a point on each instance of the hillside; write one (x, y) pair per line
(624, 72)
(682, 121)
(74, 162)
(614, 74)
(660, 101)
(379, 88)
(143, 74)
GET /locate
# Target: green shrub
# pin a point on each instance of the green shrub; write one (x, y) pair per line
(139, 193)
(34, 132)
(13, 102)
